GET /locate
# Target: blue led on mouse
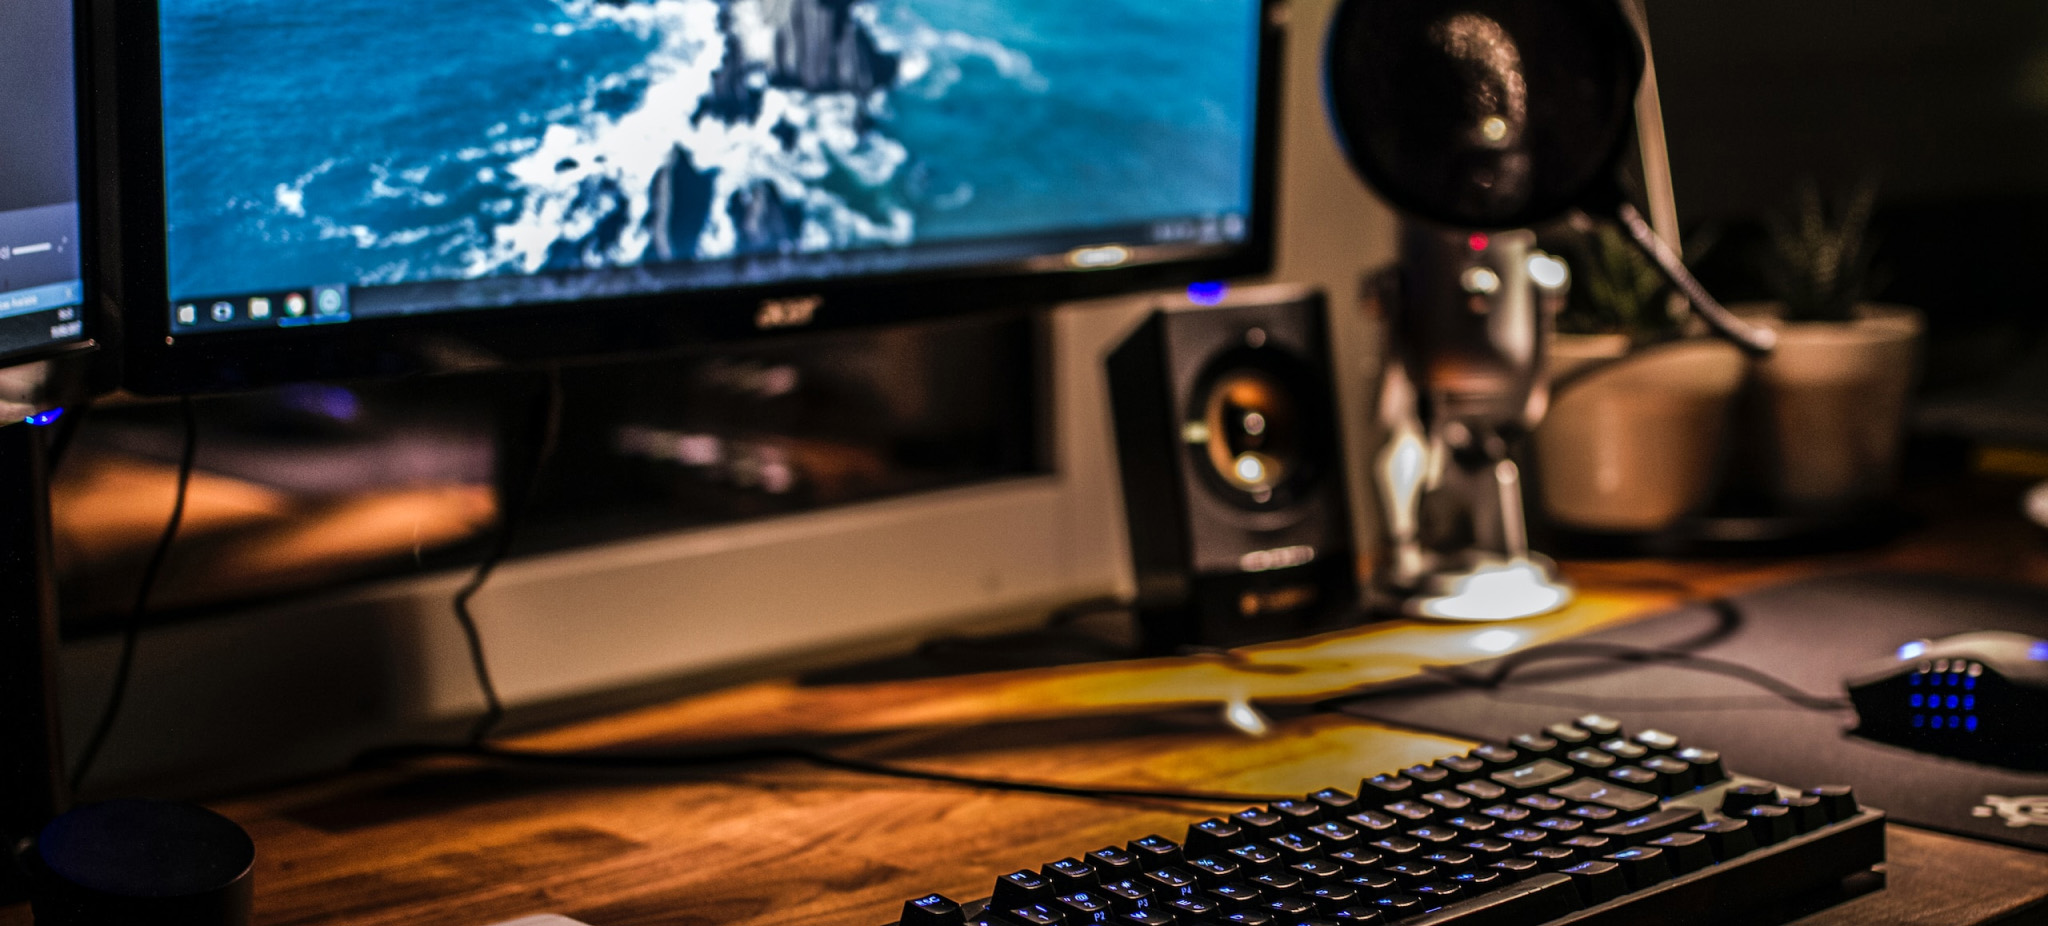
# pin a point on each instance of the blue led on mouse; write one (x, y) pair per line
(1979, 696)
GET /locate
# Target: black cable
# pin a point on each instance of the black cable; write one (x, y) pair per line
(66, 431)
(1496, 676)
(131, 633)
(508, 528)
(680, 762)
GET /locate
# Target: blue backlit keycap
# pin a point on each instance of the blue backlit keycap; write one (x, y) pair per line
(932, 910)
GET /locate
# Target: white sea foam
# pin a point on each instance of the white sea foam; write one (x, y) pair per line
(291, 197)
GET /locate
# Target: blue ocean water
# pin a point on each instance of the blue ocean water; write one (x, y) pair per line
(368, 142)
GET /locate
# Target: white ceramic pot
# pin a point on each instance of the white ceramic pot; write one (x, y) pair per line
(1830, 411)
(1636, 444)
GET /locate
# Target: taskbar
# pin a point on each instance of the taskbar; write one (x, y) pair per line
(329, 304)
(40, 317)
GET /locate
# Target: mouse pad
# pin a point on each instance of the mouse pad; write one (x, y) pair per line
(1810, 635)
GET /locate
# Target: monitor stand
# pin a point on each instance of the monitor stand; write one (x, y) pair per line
(32, 788)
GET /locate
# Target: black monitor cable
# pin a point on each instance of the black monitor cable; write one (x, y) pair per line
(132, 630)
(515, 509)
(681, 761)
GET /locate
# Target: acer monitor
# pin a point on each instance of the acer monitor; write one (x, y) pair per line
(367, 189)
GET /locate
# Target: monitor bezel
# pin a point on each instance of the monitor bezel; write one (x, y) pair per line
(161, 363)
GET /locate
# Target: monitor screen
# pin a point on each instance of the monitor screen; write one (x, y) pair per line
(42, 287)
(679, 166)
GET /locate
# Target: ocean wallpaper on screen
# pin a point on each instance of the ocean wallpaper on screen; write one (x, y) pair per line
(374, 142)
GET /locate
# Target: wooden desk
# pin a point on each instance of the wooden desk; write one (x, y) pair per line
(791, 846)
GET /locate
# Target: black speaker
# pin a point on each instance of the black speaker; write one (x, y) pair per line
(1233, 472)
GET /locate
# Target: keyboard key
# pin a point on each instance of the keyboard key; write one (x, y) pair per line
(1334, 836)
(1638, 830)
(1487, 849)
(1459, 768)
(1372, 821)
(1438, 893)
(1806, 812)
(1589, 847)
(1398, 906)
(1482, 790)
(1590, 759)
(1412, 811)
(1356, 861)
(1237, 895)
(1687, 852)
(1412, 874)
(1021, 889)
(1319, 871)
(1145, 918)
(1623, 749)
(1386, 785)
(1154, 852)
(1727, 838)
(1599, 725)
(1507, 813)
(1082, 907)
(1472, 824)
(1336, 804)
(1212, 870)
(1451, 861)
(1448, 800)
(1656, 741)
(1113, 863)
(1517, 868)
(1170, 882)
(1296, 847)
(1589, 791)
(1642, 866)
(1297, 814)
(1358, 916)
(1436, 835)
(1258, 823)
(1397, 847)
(1373, 884)
(1737, 799)
(1290, 909)
(1196, 909)
(1212, 836)
(932, 910)
(1769, 823)
(1276, 883)
(1250, 918)
(1034, 915)
(1706, 764)
(1634, 776)
(1330, 898)
(1497, 757)
(1563, 826)
(1552, 858)
(1673, 776)
(1128, 895)
(1598, 881)
(1069, 875)
(1594, 813)
(1427, 776)
(1537, 744)
(1255, 859)
(1838, 800)
(1541, 802)
(1534, 776)
(1568, 736)
(1479, 880)
(1525, 835)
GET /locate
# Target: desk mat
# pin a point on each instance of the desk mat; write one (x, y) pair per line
(1810, 634)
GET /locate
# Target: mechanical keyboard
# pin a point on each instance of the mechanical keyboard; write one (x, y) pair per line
(1582, 822)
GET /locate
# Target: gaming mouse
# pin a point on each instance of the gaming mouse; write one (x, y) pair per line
(1980, 696)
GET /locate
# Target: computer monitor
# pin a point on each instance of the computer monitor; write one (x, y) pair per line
(369, 189)
(42, 260)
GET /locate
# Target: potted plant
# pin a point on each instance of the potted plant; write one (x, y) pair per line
(1827, 419)
(1638, 417)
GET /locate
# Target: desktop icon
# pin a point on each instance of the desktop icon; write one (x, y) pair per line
(295, 305)
(329, 300)
(223, 311)
(259, 307)
(188, 314)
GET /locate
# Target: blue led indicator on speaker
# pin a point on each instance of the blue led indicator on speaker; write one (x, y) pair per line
(1954, 702)
(1972, 724)
(1208, 293)
(1917, 701)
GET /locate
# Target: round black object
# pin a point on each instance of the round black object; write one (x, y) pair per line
(131, 862)
(1484, 113)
